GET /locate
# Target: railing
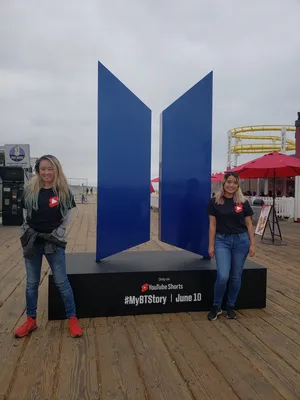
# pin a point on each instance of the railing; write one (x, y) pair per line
(284, 206)
(154, 201)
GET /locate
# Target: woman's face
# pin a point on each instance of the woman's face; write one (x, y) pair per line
(47, 171)
(231, 185)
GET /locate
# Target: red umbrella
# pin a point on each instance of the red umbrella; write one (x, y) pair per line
(155, 180)
(269, 166)
(151, 188)
(218, 177)
(272, 165)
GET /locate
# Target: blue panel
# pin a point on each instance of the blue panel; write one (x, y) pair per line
(124, 146)
(185, 169)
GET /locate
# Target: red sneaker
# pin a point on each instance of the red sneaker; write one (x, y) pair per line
(74, 328)
(29, 326)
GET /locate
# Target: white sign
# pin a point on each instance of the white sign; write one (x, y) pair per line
(283, 140)
(17, 155)
(262, 221)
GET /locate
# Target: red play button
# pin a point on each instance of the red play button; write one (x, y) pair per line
(53, 202)
(238, 208)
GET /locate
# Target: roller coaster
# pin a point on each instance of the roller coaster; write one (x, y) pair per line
(274, 143)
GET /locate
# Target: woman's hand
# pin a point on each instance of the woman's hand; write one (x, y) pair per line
(252, 250)
(211, 251)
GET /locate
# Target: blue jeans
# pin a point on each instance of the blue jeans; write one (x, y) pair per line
(230, 252)
(57, 262)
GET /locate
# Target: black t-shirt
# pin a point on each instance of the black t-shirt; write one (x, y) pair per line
(48, 215)
(230, 216)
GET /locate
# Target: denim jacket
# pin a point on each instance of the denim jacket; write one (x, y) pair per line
(57, 238)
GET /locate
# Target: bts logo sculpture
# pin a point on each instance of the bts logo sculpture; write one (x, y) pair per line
(124, 168)
(133, 283)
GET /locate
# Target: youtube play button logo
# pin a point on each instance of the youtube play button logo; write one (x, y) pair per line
(53, 202)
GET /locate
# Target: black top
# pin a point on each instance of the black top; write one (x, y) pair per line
(48, 215)
(230, 216)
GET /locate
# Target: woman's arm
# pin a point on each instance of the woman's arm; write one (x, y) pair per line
(212, 235)
(248, 222)
(67, 220)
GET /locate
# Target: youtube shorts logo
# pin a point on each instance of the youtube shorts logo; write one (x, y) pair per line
(145, 288)
(238, 208)
(53, 202)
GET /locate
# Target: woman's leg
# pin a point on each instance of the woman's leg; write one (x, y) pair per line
(33, 275)
(223, 263)
(57, 262)
(240, 252)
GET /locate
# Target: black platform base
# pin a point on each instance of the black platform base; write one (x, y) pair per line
(133, 283)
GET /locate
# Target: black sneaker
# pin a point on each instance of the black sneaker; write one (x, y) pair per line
(214, 313)
(231, 313)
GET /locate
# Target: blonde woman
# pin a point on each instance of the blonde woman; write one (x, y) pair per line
(47, 204)
(231, 240)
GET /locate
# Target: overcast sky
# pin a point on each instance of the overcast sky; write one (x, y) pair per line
(159, 49)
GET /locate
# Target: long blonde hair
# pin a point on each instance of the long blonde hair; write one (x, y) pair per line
(60, 187)
(238, 197)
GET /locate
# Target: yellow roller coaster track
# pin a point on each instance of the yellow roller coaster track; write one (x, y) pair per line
(239, 134)
(275, 143)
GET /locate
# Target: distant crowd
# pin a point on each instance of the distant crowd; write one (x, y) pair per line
(85, 193)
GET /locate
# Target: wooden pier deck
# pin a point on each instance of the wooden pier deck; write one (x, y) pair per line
(175, 356)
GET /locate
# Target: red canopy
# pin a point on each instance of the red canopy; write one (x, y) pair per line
(155, 180)
(269, 166)
(217, 177)
(151, 188)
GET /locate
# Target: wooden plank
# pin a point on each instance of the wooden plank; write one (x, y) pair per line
(152, 246)
(275, 370)
(74, 229)
(11, 280)
(118, 370)
(36, 372)
(161, 376)
(277, 312)
(14, 277)
(275, 340)
(10, 351)
(284, 289)
(283, 324)
(6, 252)
(13, 309)
(278, 297)
(42, 311)
(81, 239)
(203, 378)
(285, 267)
(91, 232)
(77, 370)
(288, 281)
(7, 245)
(247, 382)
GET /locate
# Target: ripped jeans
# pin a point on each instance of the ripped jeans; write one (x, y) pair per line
(57, 262)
